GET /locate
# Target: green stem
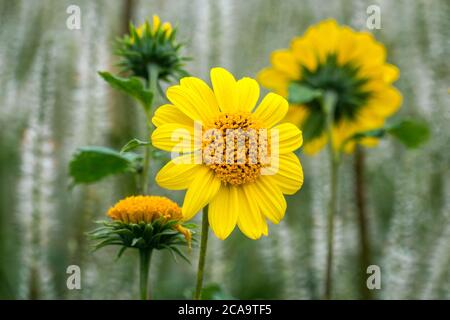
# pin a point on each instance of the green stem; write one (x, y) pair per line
(152, 85)
(202, 258)
(329, 103)
(144, 267)
(146, 170)
(364, 241)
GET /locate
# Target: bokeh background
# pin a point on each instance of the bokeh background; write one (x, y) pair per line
(52, 101)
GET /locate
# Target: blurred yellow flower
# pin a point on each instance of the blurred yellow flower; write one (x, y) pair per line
(237, 190)
(337, 58)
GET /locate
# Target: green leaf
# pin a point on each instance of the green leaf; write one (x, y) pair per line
(302, 94)
(409, 132)
(133, 144)
(131, 86)
(90, 164)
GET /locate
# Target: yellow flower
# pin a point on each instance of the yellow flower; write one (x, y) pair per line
(337, 58)
(249, 186)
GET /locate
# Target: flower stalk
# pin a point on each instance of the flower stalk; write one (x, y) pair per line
(364, 249)
(152, 83)
(202, 257)
(329, 102)
(145, 256)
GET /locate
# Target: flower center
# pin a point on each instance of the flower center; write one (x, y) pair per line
(235, 146)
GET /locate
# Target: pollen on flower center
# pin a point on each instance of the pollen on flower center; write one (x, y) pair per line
(235, 146)
(146, 209)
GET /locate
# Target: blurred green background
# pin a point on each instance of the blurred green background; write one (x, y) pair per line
(52, 101)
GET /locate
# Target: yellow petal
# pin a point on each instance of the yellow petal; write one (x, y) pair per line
(284, 61)
(175, 137)
(390, 72)
(341, 132)
(248, 92)
(314, 146)
(272, 109)
(329, 33)
(191, 102)
(250, 221)
(156, 23)
(274, 80)
(350, 146)
(203, 94)
(290, 137)
(268, 197)
(140, 30)
(289, 176)
(223, 211)
(304, 54)
(369, 142)
(264, 226)
(225, 89)
(368, 119)
(296, 114)
(346, 45)
(200, 192)
(374, 75)
(178, 173)
(323, 38)
(169, 113)
(368, 52)
(386, 102)
(167, 28)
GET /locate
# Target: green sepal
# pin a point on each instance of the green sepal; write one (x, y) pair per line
(121, 252)
(300, 94)
(159, 234)
(174, 251)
